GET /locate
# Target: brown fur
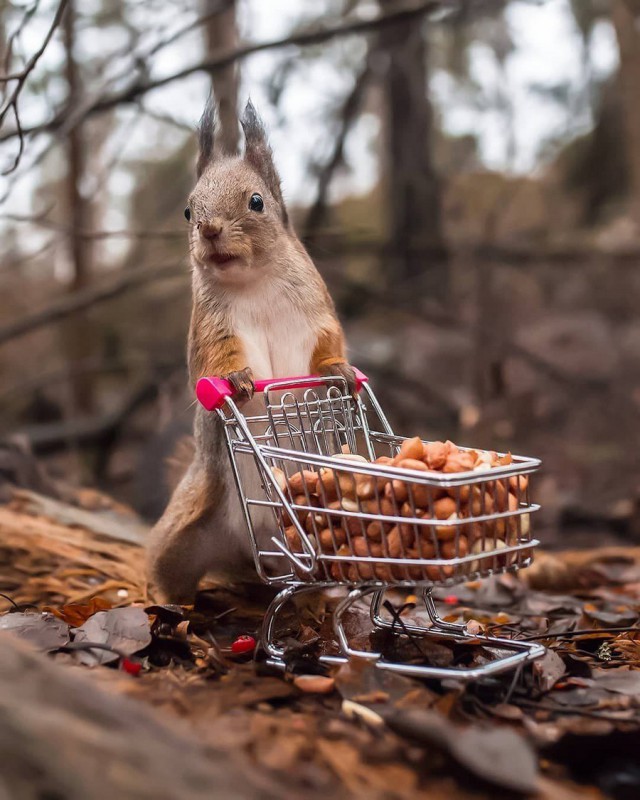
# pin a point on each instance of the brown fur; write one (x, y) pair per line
(211, 350)
(329, 349)
(258, 305)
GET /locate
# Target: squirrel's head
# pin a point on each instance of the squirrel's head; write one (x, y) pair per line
(236, 210)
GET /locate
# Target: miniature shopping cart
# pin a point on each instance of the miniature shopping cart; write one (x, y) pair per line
(308, 426)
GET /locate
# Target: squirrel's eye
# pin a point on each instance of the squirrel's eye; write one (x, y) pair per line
(256, 203)
(187, 214)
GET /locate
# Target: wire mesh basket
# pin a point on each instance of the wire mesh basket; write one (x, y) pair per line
(331, 496)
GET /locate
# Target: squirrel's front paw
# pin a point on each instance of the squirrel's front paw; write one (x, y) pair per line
(242, 382)
(343, 371)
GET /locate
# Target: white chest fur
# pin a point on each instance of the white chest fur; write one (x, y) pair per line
(278, 340)
(276, 334)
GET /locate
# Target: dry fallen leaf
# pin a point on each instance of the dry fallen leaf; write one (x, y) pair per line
(496, 755)
(75, 614)
(44, 631)
(548, 670)
(618, 680)
(124, 629)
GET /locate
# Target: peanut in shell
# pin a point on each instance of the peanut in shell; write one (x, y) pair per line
(444, 508)
(280, 478)
(293, 539)
(306, 479)
(518, 480)
(410, 448)
(435, 455)
(455, 549)
(461, 461)
(326, 485)
(331, 541)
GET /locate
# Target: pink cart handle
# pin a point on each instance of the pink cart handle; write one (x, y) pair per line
(212, 392)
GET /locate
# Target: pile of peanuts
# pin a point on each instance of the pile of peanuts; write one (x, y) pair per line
(333, 489)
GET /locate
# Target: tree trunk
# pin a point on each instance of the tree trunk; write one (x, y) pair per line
(628, 34)
(78, 338)
(222, 35)
(417, 251)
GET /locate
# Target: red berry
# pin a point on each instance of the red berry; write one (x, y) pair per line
(132, 667)
(451, 600)
(243, 644)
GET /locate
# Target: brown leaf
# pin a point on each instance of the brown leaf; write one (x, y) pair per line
(578, 698)
(75, 614)
(498, 756)
(125, 629)
(618, 680)
(613, 618)
(548, 670)
(363, 779)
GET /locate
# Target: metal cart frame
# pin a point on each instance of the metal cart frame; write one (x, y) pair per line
(304, 423)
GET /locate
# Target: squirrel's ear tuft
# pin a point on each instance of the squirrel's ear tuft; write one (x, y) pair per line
(206, 135)
(259, 156)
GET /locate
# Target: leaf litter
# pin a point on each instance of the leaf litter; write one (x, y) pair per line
(522, 733)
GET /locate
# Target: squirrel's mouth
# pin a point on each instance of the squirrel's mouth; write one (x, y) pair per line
(221, 259)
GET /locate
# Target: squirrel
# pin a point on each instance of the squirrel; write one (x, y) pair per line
(260, 310)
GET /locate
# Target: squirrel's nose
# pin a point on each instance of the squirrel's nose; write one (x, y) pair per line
(211, 230)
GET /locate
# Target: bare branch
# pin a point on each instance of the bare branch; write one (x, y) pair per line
(40, 221)
(28, 14)
(301, 39)
(139, 58)
(23, 74)
(87, 429)
(94, 365)
(21, 78)
(166, 118)
(20, 133)
(85, 298)
(17, 262)
(218, 8)
(349, 113)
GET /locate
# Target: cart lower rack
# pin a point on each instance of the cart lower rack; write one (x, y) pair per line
(330, 499)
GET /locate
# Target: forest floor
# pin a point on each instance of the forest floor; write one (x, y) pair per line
(72, 572)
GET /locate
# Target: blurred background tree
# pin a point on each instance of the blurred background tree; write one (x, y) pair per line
(466, 174)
